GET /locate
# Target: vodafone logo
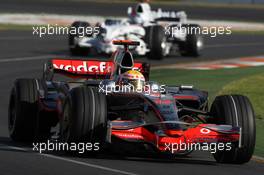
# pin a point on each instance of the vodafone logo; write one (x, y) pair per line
(83, 66)
(205, 131)
(88, 67)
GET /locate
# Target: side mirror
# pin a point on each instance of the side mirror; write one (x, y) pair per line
(48, 72)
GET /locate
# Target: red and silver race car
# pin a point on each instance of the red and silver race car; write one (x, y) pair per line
(90, 106)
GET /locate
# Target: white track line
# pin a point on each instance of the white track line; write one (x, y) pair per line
(2, 146)
(89, 165)
(228, 66)
(233, 45)
(71, 160)
(252, 63)
(199, 68)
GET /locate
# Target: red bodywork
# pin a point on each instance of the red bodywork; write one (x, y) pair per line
(199, 134)
(94, 69)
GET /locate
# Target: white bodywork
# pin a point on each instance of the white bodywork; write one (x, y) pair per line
(132, 29)
(143, 14)
(121, 30)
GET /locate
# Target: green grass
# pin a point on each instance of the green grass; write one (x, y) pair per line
(245, 81)
(15, 27)
(253, 88)
(248, 32)
(211, 5)
(178, 2)
(209, 80)
(260, 139)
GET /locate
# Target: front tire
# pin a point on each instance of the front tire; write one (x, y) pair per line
(236, 110)
(84, 116)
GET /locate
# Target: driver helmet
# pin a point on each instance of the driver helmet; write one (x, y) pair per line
(133, 78)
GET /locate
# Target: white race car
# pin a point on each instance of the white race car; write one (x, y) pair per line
(160, 33)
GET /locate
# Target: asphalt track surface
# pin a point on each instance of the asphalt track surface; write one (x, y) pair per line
(19, 44)
(120, 9)
(22, 55)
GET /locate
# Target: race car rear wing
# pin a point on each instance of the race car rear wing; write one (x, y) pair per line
(170, 16)
(90, 69)
(144, 11)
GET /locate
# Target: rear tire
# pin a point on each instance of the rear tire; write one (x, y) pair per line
(24, 122)
(84, 116)
(236, 110)
(156, 41)
(194, 42)
(75, 49)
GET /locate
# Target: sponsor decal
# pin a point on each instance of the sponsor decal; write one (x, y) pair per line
(205, 131)
(128, 135)
(83, 67)
(88, 67)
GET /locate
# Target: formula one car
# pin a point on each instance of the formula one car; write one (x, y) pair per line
(91, 107)
(160, 33)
